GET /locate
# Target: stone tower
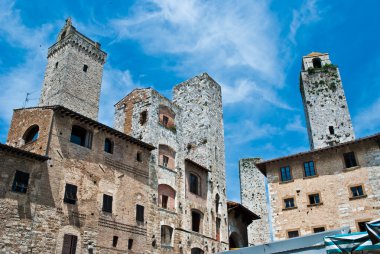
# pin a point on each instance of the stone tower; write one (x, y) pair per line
(73, 73)
(327, 117)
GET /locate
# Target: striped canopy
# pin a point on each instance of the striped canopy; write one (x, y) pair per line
(348, 243)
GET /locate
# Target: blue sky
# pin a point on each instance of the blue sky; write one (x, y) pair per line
(253, 49)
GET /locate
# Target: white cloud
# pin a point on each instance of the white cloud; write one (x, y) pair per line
(368, 119)
(296, 125)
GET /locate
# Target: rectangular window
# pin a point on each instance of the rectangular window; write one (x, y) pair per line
(289, 202)
(165, 161)
(164, 201)
(166, 235)
(361, 226)
(107, 203)
(331, 130)
(319, 229)
(130, 244)
(20, 182)
(314, 199)
(139, 213)
(309, 168)
(357, 191)
(114, 240)
(293, 233)
(194, 183)
(69, 244)
(196, 221)
(285, 174)
(143, 117)
(217, 226)
(350, 160)
(70, 194)
(139, 157)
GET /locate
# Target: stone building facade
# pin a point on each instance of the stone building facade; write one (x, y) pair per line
(333, 185)
(154, 184)
(189, 161)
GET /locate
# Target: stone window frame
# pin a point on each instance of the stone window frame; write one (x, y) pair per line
(139, 156)
(140, 213)
(69, 241)
(357, 223)
(351, 196)
(280, 174)
(31, 134)
(315, 169)
(201, 218)
(88, 138)
(143, 117)
(218, 225)
(344, 161)
(105, 208)
(317, 227)
(115, 240)
(167, 113)
(159, 203)
(316, 204)
(16, 187)
(199, 187)
(167, 240)
(167, 151)
(67, 199)
(111, 146)
(284, 208)
(293, 230)
(316, 60)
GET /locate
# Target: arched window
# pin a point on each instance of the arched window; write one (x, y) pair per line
(196, 251)
(196, 221)
(108, 145)
(166, 235)
(166, 156)
(166, 117)
(317, 63)
(217, 199)
(31, 134)
(81, 136)
(194, 184)
(166, 197)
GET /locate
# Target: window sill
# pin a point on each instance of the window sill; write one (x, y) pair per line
(289, 208)
(351, 168)
(357, 197)
(169, 169)
(167, 210)
(166, 246)
(284, 182)
(313, 176)
(312, 205)
(172, 129)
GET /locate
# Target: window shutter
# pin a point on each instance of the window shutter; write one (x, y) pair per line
(69, 244)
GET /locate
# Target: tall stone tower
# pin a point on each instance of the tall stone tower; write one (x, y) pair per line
(327, 117)
(73, 73)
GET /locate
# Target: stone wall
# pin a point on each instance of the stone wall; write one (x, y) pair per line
(253, 196)
(325, 104)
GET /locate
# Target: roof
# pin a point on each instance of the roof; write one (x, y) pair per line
(197, 165)
(247, 214)
(94, 123)
(20, 152)
(262, 165)
(314, 54)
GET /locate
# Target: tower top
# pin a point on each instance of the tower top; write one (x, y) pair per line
(315, 60)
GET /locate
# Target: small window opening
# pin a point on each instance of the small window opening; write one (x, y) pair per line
(114, 240)
(107, 203)
(139, 213)
(85, 67)
(357, 191)
(314, 199)
(143, 117)
(196, 221)
(217, 199)
(350, 160)
(196, 251)
(292, 234)
(362, 226)
(63, 35)
(165, 161)
(194, 184)
(56, 65)
(81, 136)
(217, 229)
(70, 194)
(139, 156)
(309, 168)
(20, 182)
(285, 174)
(317, 63)
(319, 229)
(166, 235)
(165, 121)
(164, 201)
(331, 130)
(108, 145)
(289, 202)
(130, 244)
(31, 134)
(69, 244)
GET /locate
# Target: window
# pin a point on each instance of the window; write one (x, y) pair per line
(331, 130)
(70, 194)
(357, 191)
(165, 161)
(139, 157)
(285, 174)
(217, 228)
(317, 63)
(31, 134)
(314, 199)
(194, 184)
(20, 182)
(350, 160)
(130, 244)
(63, 35)
(114, 240)
(293, 233)
(166, 235)
(164, 201)
(107, 203)
(69, 244)
(85, 67)
(81, 136)
(319, 229)
(56, 65)
(108, 146)
(196, 251)
(309, 168)
(139, 213)
(289, 202)
(195, 221)
(143, 117)
(217, 198)
(165, 121)
(362, 226)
